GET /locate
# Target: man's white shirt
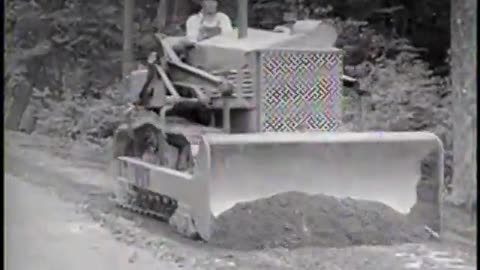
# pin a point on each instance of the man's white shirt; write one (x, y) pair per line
(195, 22)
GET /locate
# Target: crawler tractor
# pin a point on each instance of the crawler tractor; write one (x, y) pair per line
(251, 114)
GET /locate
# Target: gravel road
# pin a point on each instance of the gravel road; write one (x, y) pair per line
(59, 216)
(44, 232)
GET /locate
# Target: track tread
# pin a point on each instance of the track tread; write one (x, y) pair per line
(144, 212)
(146, 199)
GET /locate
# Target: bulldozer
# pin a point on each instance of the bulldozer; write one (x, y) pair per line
(273, 126)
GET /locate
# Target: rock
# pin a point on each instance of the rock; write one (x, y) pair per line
(28, 122)
(182, 221)
(133, 257)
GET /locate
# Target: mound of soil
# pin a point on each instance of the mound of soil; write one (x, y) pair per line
(294, 220)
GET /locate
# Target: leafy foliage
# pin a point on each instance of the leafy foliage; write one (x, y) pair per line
(75, 98)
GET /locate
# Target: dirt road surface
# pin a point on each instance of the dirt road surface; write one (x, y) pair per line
(59, 216)
(46, 233)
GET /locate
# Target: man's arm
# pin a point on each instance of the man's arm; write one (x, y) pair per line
(193, 28)
(225, 23)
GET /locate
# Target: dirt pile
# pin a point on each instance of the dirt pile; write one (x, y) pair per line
(294, 220)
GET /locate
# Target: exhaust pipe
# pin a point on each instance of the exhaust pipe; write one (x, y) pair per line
(242, 18)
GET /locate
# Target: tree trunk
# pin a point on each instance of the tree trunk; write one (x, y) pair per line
(127, 65)
(162, 13)
(172, 14)
(21, 98)
(463, 50)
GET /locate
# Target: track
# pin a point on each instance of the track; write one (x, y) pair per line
(142, 211)
(76, 180)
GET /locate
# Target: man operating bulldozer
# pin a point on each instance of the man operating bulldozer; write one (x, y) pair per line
(152, 86)
(200, 26)
(208, 22)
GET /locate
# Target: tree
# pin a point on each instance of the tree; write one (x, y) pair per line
(127, 65)
(463, 74)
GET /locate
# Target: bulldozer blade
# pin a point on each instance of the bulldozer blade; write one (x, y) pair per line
(230, 169)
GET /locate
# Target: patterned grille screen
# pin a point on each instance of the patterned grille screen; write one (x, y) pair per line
(300, 90)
